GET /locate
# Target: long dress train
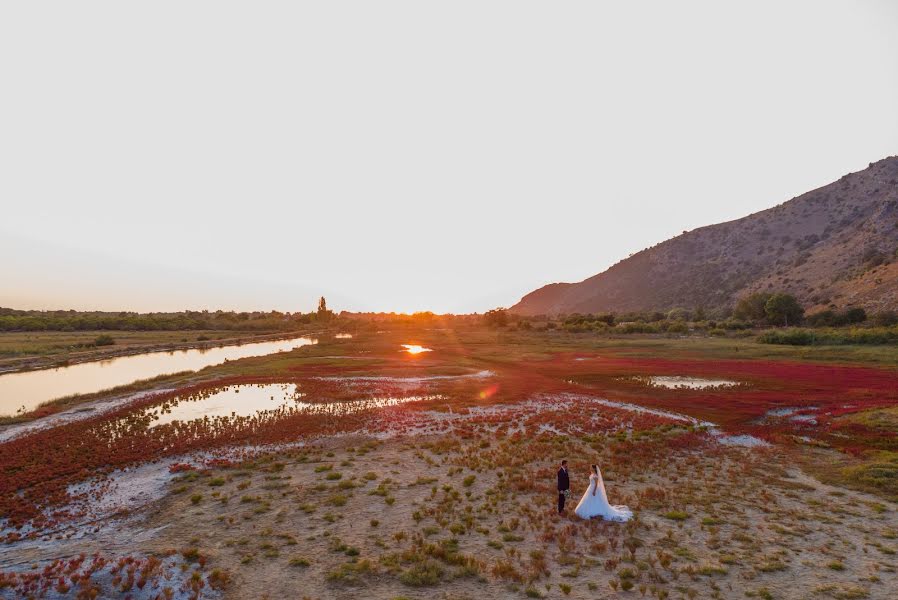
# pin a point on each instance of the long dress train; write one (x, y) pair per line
(591, 506)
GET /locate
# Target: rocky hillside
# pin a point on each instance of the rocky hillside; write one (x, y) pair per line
(834, 247)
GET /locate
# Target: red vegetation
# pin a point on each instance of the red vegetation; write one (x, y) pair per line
(100, 576)
(822, 391)
(37, 469)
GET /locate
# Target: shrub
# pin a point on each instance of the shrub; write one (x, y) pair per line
(422, 574)
(496, 318)
(337, 500)
(219, 579)
(104, 340)
(886, 318)
(351, 573)
(805, 337)
(794, 337)
(676, 515)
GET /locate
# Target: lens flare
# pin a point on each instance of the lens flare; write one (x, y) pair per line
(488, 392)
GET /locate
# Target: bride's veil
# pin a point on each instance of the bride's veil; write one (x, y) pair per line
(600, 484)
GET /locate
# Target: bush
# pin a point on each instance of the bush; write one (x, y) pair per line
(676, 515)
(637, 327)
(677, 327)
(351, 573)
(830, 318)
(422, 574)
(104, 340)
(496, 318)
(794, 337)
(835, 337)
(886, 318)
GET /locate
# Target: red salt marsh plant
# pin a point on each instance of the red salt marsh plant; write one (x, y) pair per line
(766, 385)
(100, 576)
(37, 469)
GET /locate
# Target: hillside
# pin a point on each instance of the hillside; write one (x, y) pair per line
(835, 246)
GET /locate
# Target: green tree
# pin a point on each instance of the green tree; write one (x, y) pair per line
(496, 317)
(783, 309)
(752, 307)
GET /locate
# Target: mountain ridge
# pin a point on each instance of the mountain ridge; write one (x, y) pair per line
(832, 247)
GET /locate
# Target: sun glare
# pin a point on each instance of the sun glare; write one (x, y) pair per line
(415, 349)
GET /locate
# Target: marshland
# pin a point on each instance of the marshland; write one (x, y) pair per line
(418, 454)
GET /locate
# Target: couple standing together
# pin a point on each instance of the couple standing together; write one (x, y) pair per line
(594, 502)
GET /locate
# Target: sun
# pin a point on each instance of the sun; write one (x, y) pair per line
(415, 348)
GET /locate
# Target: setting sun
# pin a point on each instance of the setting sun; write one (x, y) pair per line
(415, 349)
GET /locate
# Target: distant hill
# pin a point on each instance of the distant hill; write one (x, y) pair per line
(834, 247)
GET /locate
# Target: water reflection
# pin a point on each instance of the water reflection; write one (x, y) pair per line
(415, 349)
(23, 392)
(251, 400)
(673, 382)
(343, 336)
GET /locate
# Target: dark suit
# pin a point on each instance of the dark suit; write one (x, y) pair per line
(564, 483)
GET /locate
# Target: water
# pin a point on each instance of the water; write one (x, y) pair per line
(415, 348)
(690, 383)
(249, 400)
(23, 392)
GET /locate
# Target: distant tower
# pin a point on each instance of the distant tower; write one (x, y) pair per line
(322, 305)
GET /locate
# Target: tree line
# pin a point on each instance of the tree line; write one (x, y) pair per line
(762, 309)
(70, 320)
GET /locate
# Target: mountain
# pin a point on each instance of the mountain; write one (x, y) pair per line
(833, 247)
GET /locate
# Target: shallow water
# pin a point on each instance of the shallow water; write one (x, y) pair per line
(247, 400)
(23, 392)
(681, 382)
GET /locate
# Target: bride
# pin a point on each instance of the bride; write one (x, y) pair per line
(595, 502)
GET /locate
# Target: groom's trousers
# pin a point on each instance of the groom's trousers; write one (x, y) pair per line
(560, 502)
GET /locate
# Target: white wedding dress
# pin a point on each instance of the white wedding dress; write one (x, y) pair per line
(597, 505)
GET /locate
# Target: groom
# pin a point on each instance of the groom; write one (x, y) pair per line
(564, 484)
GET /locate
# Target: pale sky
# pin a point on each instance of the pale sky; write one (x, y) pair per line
(411, 155)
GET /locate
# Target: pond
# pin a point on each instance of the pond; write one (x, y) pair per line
(675, 382)
(23, 392)
(246, 400)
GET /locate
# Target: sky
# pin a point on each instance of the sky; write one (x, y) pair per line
(404, 156)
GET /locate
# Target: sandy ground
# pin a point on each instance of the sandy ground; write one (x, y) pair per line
(471, 515)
